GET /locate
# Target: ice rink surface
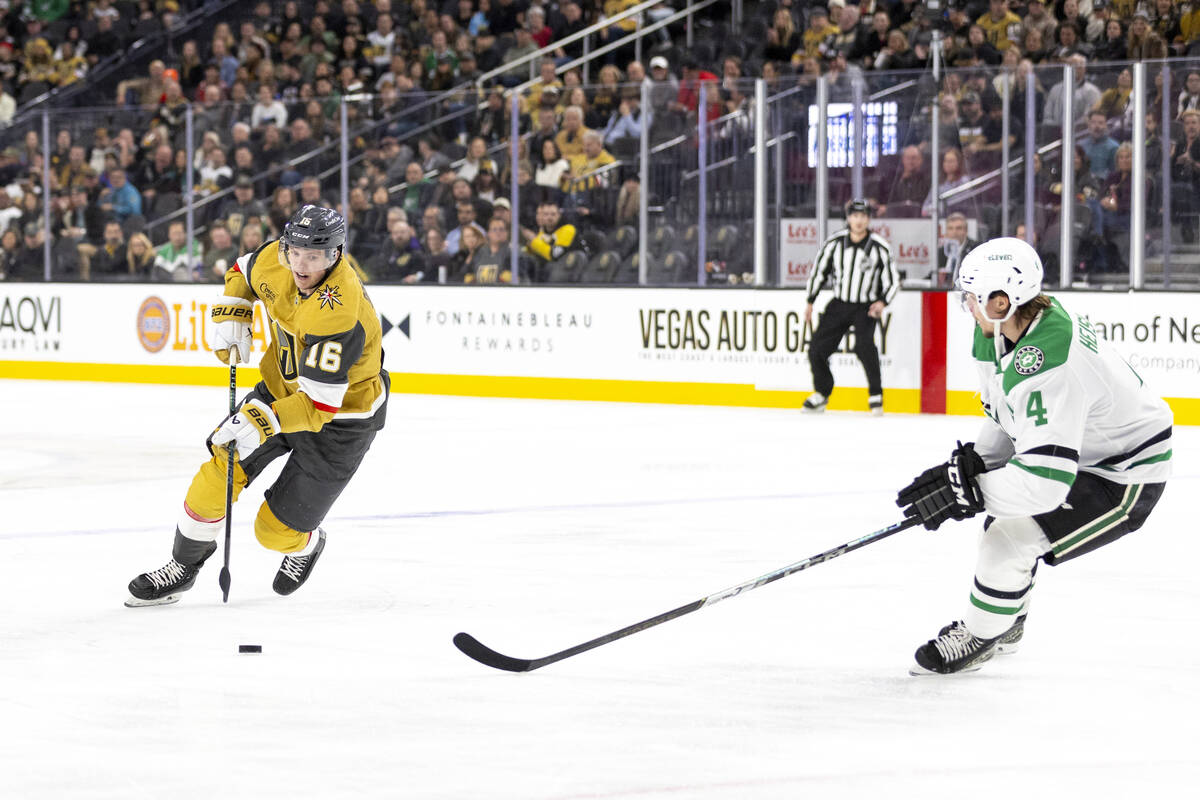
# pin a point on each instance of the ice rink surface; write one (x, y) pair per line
(535, 526)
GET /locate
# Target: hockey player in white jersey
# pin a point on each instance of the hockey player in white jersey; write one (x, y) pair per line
(1074, 453)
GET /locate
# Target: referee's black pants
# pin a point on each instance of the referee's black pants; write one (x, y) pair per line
(839, 317)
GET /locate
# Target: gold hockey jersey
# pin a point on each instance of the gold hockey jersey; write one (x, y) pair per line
(325, 361)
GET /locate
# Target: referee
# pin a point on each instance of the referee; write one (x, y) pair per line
(864, 281)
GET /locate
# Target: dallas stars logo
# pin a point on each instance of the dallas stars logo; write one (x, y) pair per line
(329, 297)
(1028, 360)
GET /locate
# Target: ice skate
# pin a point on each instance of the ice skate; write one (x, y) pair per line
(815, 403)
(955, 649)
(1010, 641)
(296, 568)
(164, 585)
(875, 404)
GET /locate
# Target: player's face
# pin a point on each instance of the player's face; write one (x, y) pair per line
(308, 267)
(984, 315)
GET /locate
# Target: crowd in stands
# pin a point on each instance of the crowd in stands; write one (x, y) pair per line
(429, 202)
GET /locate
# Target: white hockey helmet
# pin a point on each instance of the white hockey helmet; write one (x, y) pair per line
(1006, 265)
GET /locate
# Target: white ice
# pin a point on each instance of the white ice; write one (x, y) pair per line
(536, 526)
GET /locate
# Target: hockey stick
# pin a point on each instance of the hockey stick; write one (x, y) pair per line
(224, 579)
(473, 648)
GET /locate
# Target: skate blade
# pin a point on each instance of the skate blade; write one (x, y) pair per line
(1008, 649)
(917, 671)
(135, 602)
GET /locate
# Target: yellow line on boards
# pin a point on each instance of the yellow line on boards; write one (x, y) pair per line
(126, 373)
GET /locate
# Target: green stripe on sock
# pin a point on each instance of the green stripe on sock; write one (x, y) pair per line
(1059, 475)
(991, 609)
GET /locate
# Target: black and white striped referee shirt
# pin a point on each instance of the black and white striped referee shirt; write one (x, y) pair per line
(862, 273)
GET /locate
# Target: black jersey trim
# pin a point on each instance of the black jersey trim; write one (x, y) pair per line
(1161, 436)
(1057, 451)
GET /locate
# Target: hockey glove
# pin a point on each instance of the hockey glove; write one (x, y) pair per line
(248, 427)
(947, 491)
(232, 317)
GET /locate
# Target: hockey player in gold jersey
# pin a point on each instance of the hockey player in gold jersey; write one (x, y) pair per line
(321, 400)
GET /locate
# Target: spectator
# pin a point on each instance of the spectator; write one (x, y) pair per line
(109, 259)
(1069, 44)
(783, 40)
(688, 98)
(491, 263)
(524, 47)
(897, 54)
(178, 260)
(9, 213)
(1115, 207)
(1112, 45)
(1185, 174)
(954, 248)
(239, 209)
(573, 22)
(547, 130)
(593, 159)
(252, 236)
(268, 110)
(437, 259)
(484, 187)
(910, 188)
(550, 176)
(139, 255)
(1100, 147)
(465, 213)
(539, 31)
(159, 178)
(551, 241)
(30, 260)
(219, 255)
(1003, 28)
(104, 43)
(120, 199)
(1037, 19)
(626, 120)
(664, 87)
(401, 259)
(870, 41)
(145, 91)
(1086, 95)
(1139, 37)
(953, 175)
(472, 239)
(842, 41)
(10, 250)
(310, 193)
(415, 195)
(570, 138)
(283, 206)
(1189, 96)
(476, 160)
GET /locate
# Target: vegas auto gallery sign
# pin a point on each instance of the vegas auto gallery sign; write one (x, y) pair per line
(909, 239)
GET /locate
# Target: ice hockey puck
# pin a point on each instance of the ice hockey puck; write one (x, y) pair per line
(249, 648)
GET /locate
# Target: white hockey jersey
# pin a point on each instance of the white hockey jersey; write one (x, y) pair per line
(1062, 401)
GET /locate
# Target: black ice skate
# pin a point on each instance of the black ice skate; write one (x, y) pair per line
(164, 585)
(815, 403)
(1010, 640)
(875, 405)
(294, 570)
(955, 649)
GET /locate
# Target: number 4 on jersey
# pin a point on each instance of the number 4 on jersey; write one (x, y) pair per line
(1035, 409)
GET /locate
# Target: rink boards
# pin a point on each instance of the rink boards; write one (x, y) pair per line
(740, 347)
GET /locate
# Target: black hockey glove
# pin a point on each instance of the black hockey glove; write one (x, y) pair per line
(947, 491)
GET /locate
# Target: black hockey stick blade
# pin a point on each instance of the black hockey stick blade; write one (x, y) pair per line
(473, 648)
